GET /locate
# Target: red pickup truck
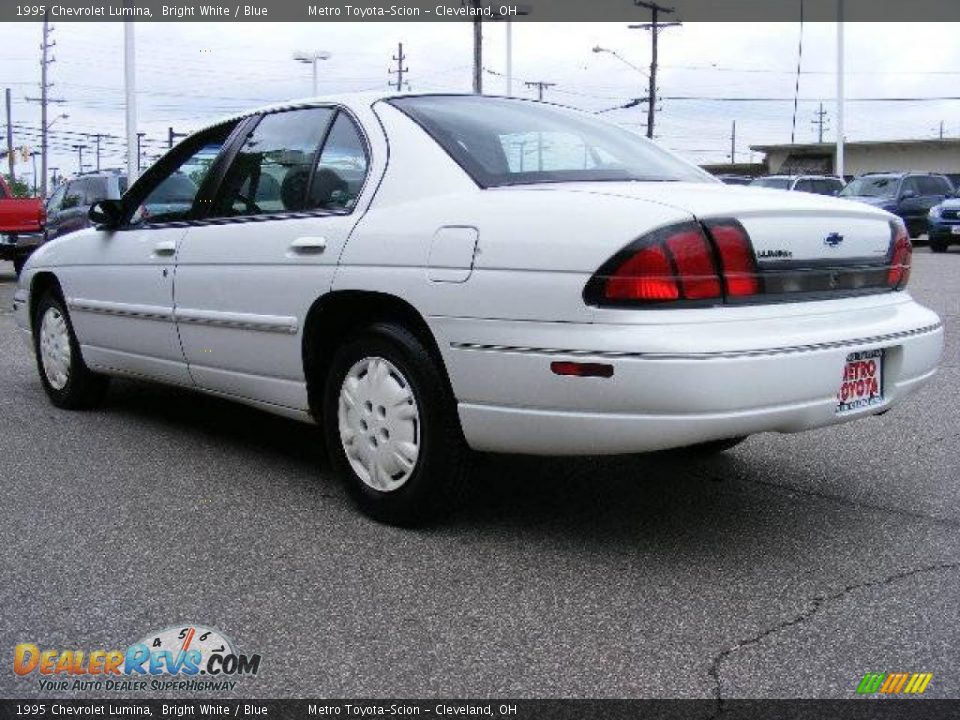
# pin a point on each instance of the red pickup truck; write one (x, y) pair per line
(21, 225)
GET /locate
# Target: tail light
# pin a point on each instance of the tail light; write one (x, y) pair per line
(678, 263)
(736, 258)
(901, 256)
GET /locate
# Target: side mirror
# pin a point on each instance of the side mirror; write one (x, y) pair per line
(106, 214)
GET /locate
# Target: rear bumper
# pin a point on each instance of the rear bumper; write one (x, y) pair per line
(19, 245)
(944, 234)
(510, 401)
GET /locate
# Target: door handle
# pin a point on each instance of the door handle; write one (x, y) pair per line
(165, 248)
(309, 245)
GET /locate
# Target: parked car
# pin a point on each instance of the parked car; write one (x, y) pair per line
(908, 195)
(817, 184)
(68, 208)
(944, 225)
(447, 272)
(735, 179)
(21, 221)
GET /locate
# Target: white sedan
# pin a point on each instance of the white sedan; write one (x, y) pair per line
(424, 274)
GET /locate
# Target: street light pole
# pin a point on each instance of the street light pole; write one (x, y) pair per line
(129, 74)
(840, 99)
(311, 58)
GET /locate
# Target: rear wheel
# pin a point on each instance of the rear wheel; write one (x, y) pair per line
(391, 426)
(938, 246)
(66, 379)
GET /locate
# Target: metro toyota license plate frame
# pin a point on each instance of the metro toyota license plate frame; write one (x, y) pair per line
(861, 386)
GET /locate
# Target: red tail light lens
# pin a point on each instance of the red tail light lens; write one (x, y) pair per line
(674, 263)
(901, 256)
(647, 275)
(736, 257)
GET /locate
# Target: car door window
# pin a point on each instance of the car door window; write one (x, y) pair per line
(341, 169)
(804, 185)
(910, 185)
(168, 191)
(271, 171)
(72, 198)
(95, 191)
(56, 200)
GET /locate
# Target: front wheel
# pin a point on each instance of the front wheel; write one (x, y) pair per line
(18, 264)
(938, 246)
(66, 379)
(391, 426)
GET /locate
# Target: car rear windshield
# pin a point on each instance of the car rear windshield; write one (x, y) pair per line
(871, 187)
(780, 183)
(500, 141)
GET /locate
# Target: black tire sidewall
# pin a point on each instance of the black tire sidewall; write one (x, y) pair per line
(83, 388)
(422, 495)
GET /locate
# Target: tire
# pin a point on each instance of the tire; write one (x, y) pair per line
(938, 246)
(391, 427)
(68, 382)
(18, 264)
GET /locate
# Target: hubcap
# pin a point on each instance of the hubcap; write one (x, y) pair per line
(379, 424)
(55, 348)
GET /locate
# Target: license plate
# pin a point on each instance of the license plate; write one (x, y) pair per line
(955, 229)
(862, 384)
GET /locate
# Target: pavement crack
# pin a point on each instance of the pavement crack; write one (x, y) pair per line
(814, 605)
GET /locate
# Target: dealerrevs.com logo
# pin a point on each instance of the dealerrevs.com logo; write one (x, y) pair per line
(188, 657)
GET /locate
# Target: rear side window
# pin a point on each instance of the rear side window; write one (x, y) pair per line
(271, 171)
(933, 185)
(341, 169)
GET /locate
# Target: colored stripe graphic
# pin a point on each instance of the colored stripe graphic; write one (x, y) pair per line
(894, 683)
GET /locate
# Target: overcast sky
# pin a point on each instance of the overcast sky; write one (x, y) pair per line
(190, 73)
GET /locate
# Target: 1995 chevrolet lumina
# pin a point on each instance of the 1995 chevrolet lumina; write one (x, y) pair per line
(421, 275)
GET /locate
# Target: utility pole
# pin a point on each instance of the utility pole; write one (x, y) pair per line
(477, 48)
(10, 158)
(655, 26)
(733, 144)
(33, 155)
(98, 152)
(171, 136)
(54, 171)
(941, 124)
(820, 121)
(399, 58)
(139, 137)
(45, 60)
(540, 86)
(79, 149)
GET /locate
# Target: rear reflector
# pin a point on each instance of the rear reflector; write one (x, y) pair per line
(577, 369)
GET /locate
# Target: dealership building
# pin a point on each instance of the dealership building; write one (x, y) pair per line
(936, 155)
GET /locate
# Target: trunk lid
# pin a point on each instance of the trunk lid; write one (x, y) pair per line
(783, 226)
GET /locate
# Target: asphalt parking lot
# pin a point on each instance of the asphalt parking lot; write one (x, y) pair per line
(788, 567)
